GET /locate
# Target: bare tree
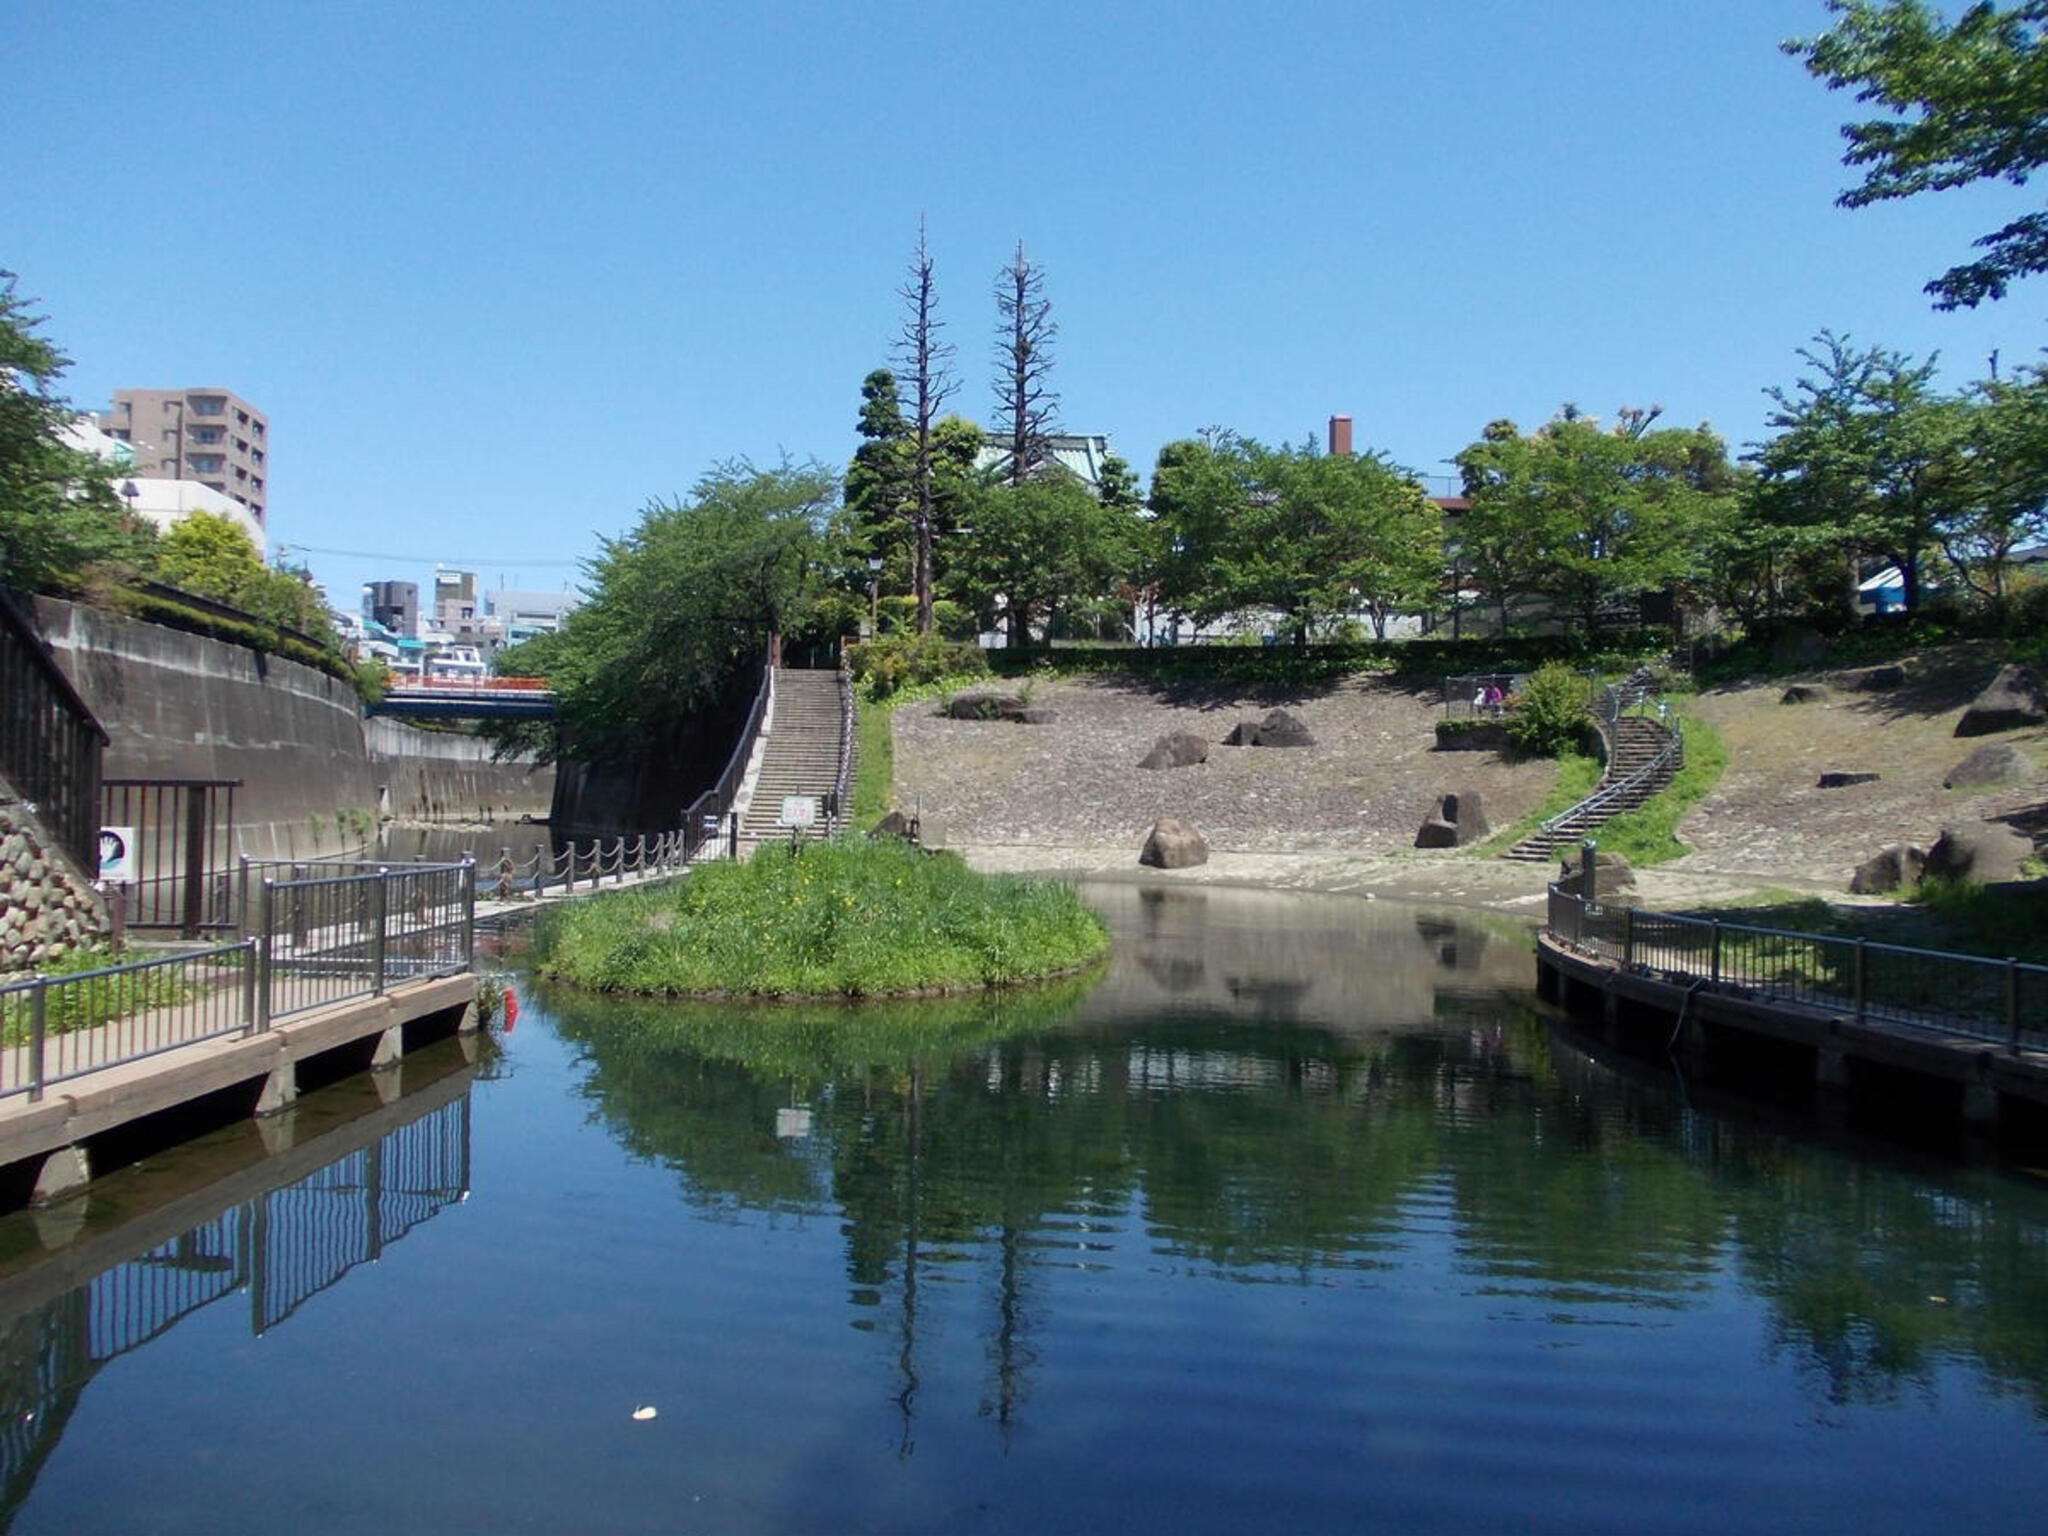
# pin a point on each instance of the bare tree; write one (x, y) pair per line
(922, 358)
(1025, 406)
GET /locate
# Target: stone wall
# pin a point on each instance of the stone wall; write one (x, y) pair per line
(181, 706)
(47, 908)
(443, 776)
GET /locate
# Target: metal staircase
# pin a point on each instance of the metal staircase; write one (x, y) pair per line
(1644, 753)
(804, 750)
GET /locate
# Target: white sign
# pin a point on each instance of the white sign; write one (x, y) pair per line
(799, 811)
(117, 853)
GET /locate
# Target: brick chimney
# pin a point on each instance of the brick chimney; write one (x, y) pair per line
(1340, 436)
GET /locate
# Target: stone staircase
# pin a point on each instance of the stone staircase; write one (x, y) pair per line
(799, 752)
(1643, 755)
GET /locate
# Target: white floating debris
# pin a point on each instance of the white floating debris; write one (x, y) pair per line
(644, 1412)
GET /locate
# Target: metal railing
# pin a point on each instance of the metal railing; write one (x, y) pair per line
(183, 853)
(710, 819)
(317, 940)
(1609, 705)
(643, 856)
(2000, 1001)
(842, 780)
(50, 742)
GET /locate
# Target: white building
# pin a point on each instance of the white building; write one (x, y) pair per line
(163, 502)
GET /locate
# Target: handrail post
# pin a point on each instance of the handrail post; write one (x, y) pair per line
(543, 860)
(38, 1005)
(469, 915)
(1628, 938)
(379, 901)
(2012, 1003)
(1715, 963)
(1862, 979)
(265, 955)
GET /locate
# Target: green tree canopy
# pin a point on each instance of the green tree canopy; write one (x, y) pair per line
(1590, 517)
(1869, 459)
(210, 555)
(1964, 102)
(1044, 546)
(1315, 538)
(59, 515)
(685, 603)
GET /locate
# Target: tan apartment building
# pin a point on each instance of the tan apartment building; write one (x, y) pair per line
(212, 436)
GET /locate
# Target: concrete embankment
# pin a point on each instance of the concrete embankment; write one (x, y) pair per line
(443, 776)
(314, 775)
(179, 706)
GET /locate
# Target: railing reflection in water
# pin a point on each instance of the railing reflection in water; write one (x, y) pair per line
(282, 1247)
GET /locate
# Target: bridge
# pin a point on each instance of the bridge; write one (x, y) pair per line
(468, 698)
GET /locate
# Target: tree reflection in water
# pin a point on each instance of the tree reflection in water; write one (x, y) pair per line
(1280, 1089)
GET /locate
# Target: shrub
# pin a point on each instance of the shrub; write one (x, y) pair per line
(1549, 716)
(894, 662)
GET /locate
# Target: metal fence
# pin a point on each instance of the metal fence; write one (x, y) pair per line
(316, 940)
(183, 853)
(572, 865)
(1972, 996)
(50, 744)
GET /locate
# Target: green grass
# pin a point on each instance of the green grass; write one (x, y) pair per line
(1649, 834)
(874, 760)
(2001, 922)
(847, 918)
(74, 1005)
(1577, 774)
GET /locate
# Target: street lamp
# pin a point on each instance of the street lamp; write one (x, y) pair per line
(130, 493)
(874, 595)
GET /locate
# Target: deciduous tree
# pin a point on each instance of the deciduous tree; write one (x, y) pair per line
(1026, 406)
(1965, 101)
(924, 359)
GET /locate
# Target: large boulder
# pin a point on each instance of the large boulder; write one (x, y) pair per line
(1182, 749)
(996, 706)
(1278, 729)
(1996, 762)
(1611, 876)
(2014, 699)
(1987, 853)
(1896, 869)
(1173, 844)
(896, 825)
(1457, 820)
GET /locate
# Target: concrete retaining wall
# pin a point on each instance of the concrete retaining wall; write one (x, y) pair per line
(441, 776)
(181, 706)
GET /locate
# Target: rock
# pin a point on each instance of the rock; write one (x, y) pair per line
(1875, 679)
(1895, 869)
(1837, 780)
(1457, 820)
(1804, 693)
(1182, 749)
(1986, 853)
(2013, 699)
(1029, 716)
(1797, 646)
(982, 706)
(898, 825)
(1996, 762)
(1611, 876)
(1173, 845)
(1280, 729)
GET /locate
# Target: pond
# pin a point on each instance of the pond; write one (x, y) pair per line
(1299, 1218)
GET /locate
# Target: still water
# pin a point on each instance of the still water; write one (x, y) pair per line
(1297, 1219)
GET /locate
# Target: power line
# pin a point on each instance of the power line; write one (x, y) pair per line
(374, 554)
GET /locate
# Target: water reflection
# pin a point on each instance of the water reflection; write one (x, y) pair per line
(1277, 1091)
(276, 1234)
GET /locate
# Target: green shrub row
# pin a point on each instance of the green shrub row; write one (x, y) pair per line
(892, 663)
(846, 918)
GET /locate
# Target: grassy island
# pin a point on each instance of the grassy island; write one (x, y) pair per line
(849, 918)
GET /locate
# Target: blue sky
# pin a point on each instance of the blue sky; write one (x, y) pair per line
(502, 272)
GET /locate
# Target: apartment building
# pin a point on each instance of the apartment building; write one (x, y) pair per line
(212, 436)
